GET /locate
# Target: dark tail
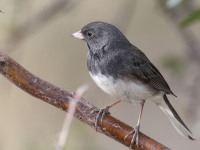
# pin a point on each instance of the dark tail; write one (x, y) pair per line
(177, 122)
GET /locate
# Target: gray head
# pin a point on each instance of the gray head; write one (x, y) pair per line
(100, 34)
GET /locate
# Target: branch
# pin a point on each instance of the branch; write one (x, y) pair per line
(61, 99)
(41, 18)
(68, 119)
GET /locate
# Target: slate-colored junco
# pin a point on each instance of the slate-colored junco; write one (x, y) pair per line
(123, 71)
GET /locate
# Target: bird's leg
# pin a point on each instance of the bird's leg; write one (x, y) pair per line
(135, 131)
(102, 112)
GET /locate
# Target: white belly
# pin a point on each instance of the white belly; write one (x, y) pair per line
(126, 91)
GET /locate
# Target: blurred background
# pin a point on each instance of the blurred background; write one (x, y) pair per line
(37, 34)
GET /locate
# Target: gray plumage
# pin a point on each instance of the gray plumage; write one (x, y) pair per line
(112, 54)
(122, 70)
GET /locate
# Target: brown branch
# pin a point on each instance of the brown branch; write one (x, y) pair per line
(59, 98)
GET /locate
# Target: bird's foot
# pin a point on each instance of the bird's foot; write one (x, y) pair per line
(135, 136)
(101, 114)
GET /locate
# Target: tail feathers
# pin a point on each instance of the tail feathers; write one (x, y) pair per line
(177, 122)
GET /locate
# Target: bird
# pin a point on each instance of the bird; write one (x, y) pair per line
(123, 71)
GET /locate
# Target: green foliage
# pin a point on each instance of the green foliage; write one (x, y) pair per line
(191, 18)
(174, 63)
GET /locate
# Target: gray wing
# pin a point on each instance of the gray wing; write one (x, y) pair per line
(145, 71)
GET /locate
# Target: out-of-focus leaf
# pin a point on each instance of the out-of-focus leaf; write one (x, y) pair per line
(194, 16)
(174, 63)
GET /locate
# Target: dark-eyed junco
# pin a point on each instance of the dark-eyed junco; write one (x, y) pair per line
(123, 71)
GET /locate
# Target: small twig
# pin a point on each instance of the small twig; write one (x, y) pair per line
(59, 98)
(68, 119)
(34, 23)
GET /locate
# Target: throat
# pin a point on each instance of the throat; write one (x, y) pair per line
(97, 60)
(97, 52)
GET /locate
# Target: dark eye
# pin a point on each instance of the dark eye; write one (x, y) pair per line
(89, 34)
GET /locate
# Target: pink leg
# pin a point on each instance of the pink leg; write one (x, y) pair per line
(135, 131)
(103, 111)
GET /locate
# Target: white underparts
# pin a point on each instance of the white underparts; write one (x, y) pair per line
(129, 91)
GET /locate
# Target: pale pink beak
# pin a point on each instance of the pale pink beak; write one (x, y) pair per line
(78, 35)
